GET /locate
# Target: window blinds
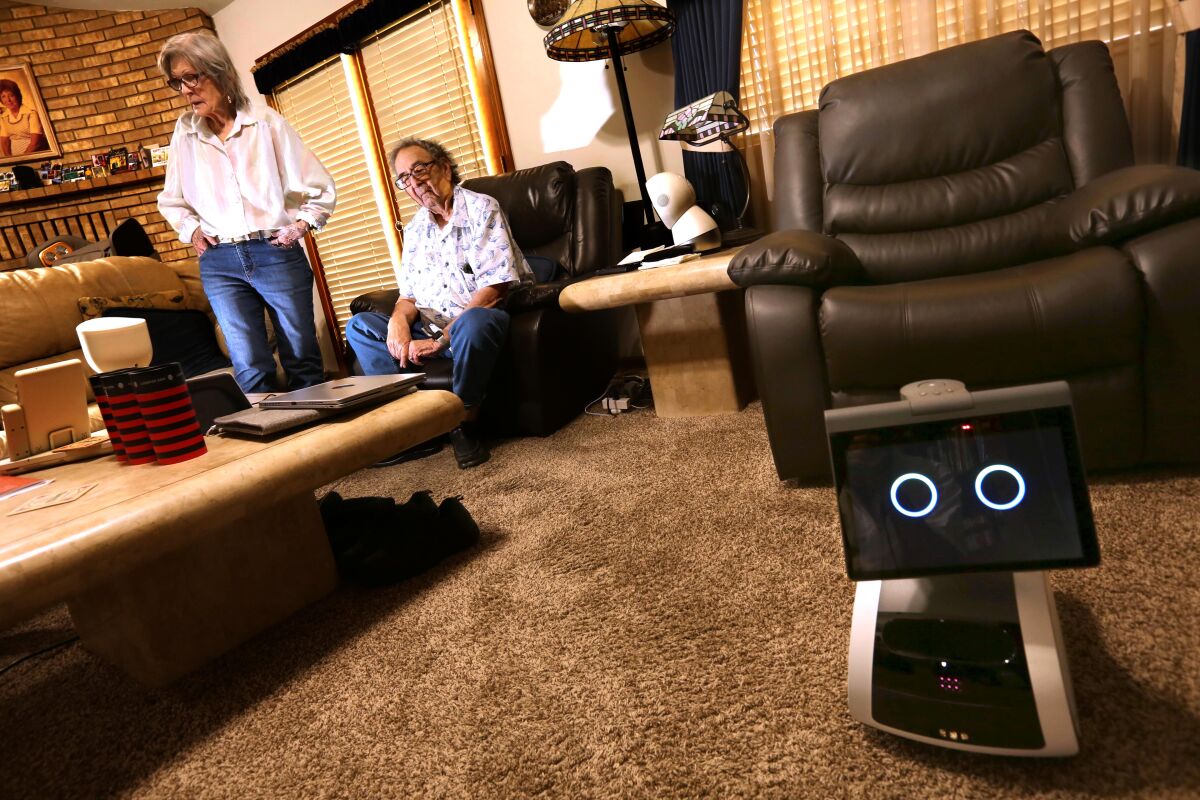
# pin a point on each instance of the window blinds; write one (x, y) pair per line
(417, 83)
(792, 48)
(419, 87)
(354, 253)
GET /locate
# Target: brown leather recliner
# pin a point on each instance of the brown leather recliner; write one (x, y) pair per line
(973, 214)
(554, 363)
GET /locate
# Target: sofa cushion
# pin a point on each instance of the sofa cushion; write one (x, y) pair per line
(184, 336)
(92, 307)
(39, 306)
(1018, 325)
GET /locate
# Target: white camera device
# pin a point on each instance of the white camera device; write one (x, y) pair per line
(53, 401)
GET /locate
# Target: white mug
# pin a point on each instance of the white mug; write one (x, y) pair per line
(112, 343)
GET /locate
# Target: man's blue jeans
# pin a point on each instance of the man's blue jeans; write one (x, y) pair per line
(241, 280)
(475, 341)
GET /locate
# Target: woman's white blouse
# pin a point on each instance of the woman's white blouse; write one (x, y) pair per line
(260, 178)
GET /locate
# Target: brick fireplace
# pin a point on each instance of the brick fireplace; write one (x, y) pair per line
(98, 77)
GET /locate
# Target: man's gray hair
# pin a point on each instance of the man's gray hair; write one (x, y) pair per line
(435, 150)
(206, 53)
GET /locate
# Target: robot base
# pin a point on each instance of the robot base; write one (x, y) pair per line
(970, 662)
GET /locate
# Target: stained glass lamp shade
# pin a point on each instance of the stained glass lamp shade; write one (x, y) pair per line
(706, 120)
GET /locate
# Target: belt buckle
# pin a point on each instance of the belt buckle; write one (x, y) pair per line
(261, 235)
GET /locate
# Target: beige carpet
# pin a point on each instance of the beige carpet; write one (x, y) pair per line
(649, 614)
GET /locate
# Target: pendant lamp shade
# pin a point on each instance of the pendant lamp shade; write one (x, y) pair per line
(583, 34)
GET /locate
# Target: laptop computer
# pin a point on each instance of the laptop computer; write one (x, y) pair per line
(347, 392)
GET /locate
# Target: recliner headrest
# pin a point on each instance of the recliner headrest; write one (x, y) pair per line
(539, 202)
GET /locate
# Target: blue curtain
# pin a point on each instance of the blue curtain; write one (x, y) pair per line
(707, 51)
(1189, 124)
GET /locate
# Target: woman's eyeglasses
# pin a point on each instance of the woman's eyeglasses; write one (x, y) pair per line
(419, 172)
(189, 81)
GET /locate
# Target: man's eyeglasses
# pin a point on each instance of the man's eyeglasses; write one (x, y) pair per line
(189, 81)
(419, 172)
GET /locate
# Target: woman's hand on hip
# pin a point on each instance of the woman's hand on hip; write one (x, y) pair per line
(288, 235)
(202, 241)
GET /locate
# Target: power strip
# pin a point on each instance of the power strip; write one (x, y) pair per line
(615, 405)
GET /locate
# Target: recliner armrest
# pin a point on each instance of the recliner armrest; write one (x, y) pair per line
(382, 301)
(799, 258)
(1128, 202)
(529, 296)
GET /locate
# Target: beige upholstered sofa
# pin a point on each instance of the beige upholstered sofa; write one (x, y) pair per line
(39, 309)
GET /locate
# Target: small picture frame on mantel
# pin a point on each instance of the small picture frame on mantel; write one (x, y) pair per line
(25, 132)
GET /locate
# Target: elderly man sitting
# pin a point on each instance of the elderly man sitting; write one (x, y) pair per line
(458, 264)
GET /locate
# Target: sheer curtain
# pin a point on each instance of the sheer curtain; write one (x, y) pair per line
(792, 48)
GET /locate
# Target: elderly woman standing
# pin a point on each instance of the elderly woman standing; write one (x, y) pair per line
(243, 189)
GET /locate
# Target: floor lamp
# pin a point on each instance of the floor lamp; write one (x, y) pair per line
(598, 29)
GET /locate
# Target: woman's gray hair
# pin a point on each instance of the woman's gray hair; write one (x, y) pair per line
(206, 53)
(435, 150)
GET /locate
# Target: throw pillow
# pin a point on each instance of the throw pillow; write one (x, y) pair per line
(92, 307)
(185, 336)
(544, 269)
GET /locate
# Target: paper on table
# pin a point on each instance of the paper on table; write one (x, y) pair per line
(638, 255)
(11, 485)
(666, 262)
(53, 499)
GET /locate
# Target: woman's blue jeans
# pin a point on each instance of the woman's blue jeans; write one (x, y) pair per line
(243, 279)
(475, 341)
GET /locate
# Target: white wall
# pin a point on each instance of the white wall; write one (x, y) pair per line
(252, 28)
(555, 110)
(572, 111)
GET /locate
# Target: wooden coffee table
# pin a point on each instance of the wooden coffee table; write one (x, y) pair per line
(693, 323)
(165, 567)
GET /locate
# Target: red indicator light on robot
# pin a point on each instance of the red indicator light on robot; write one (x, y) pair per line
(966, 426)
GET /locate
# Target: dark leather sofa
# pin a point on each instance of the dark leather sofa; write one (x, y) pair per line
(974, 214)
(554, 363)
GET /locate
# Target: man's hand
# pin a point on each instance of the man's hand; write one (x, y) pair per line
(398, 339)
(419, 349)
(202, 241)
(288, 235)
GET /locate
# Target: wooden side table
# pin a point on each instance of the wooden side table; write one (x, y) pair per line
(693, 325)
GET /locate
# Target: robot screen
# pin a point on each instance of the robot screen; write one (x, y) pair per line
(999, 492)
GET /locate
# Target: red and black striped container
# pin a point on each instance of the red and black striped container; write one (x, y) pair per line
(110, 423)
(166, 408)
(123, 405)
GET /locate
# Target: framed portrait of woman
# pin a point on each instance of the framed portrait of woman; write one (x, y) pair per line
(25, 133)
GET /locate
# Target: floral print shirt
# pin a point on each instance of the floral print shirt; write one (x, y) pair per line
(441, 268)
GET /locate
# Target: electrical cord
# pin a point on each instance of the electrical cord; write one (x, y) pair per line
(36, 653)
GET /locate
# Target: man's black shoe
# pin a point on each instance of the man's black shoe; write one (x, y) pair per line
(469, 449)
(422, 450)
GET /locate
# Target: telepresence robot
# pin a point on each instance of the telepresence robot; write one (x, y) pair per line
(952, 503)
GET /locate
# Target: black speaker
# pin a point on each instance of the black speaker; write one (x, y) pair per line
(27, 177)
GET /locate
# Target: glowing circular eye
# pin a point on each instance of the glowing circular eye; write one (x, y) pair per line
(914, 476)
(983, 473)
